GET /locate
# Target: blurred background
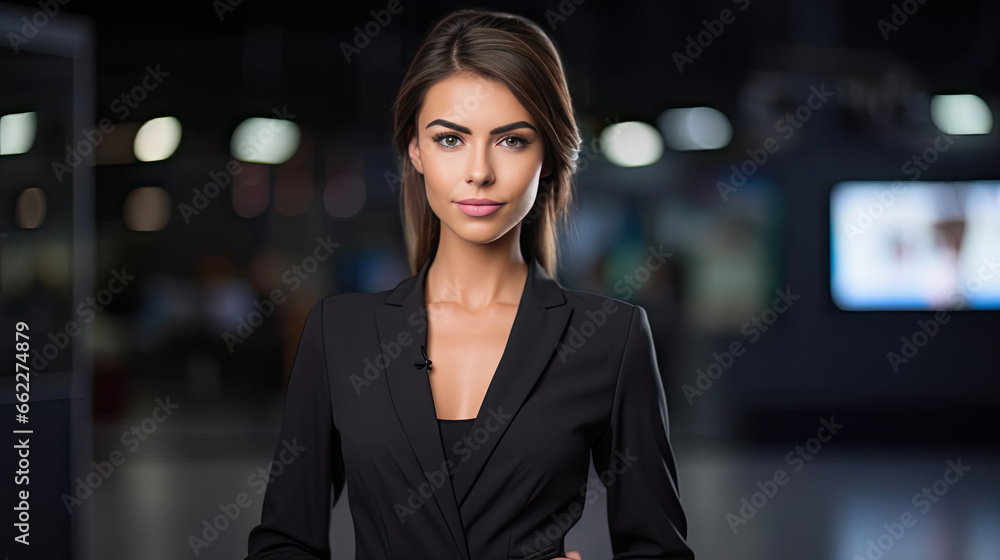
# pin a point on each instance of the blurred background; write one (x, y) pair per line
(817, 182)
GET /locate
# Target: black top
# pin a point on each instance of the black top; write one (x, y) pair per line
(452, 432)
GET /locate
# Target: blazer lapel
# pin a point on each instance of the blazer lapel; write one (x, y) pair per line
(540, 320)
(539, 323)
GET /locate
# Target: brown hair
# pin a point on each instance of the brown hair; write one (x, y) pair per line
(516, 52)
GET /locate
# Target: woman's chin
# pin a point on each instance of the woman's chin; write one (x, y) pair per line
(479, 233)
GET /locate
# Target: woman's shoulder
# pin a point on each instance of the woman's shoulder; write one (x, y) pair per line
(586, 299)
(598, 307)
(350, 301)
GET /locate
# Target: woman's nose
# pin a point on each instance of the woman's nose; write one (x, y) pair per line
(480, 169)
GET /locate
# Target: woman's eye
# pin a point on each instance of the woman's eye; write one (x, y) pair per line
(513, 142)
(450, 140)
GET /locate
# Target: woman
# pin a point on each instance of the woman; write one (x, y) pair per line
(462, 407)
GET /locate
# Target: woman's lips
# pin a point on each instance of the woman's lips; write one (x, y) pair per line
(479, 209)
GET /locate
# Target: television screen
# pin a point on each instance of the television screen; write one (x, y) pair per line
(915, 245)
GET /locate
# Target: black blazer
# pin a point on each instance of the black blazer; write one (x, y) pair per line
(578, 379)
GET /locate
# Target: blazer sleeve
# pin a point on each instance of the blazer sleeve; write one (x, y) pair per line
(645, 517)
(295, 515)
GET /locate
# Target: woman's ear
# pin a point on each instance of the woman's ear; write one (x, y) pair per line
(546, 169)
(415, 156)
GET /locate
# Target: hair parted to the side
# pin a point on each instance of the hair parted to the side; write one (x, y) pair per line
(516, 52)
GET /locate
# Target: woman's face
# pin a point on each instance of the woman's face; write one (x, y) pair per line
(474, 140)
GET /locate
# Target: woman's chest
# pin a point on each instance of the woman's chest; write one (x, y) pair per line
(548, 431)
(465, 350)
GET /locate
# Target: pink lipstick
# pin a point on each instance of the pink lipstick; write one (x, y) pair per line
(478, 206)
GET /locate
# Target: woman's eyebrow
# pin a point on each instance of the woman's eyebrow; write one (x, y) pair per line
(497, 130)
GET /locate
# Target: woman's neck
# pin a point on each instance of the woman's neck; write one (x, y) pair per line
(475, 275)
